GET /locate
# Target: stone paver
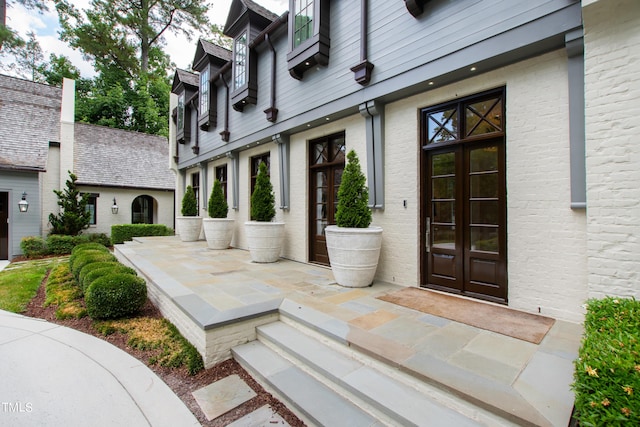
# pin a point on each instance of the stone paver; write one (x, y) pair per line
(264, 416)
(222, 396)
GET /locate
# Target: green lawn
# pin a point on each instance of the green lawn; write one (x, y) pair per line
(19, 282)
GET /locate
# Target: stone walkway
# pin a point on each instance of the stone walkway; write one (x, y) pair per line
(528, 380)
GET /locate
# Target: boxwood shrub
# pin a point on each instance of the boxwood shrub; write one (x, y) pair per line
(125, 232)
(94, 266)
(82, 258)
(607, 370)
(115, 295)
(89, 246)
(33, 246)
(95, 273)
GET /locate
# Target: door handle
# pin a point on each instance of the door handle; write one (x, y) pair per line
(427, 235)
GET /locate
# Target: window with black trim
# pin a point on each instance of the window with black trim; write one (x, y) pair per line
(142, 210)
(255, 165)
(180, 118)
(240, 61)
(308, 35)
(92, 205)
(204, 92)
(195, 184)
(221, 176)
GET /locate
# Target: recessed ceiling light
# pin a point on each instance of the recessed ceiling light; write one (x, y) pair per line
(327, 118)
(473, 69)
(307, 63)
(430, 83)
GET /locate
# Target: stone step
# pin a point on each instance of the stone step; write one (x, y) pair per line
(312, 400)
(386, 394)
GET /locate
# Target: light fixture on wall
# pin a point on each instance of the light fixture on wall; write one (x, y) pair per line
(114, 208)
(23, 205)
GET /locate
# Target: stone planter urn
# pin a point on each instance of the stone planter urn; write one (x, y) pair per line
(189, 228)
(353, 254)
(218, 232)
(265, 240)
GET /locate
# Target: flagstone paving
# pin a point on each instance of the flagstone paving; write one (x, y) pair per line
(465, 358)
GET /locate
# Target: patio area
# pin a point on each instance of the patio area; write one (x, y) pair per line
(218, 299)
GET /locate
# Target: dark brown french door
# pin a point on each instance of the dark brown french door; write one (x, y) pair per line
(464, 198)
(4, 225)
(326, 163)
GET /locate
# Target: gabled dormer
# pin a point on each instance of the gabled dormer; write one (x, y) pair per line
(185, 85)
(245, 21)
(308, 35)
(208, 61)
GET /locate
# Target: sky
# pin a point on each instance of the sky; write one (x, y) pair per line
(46, 27)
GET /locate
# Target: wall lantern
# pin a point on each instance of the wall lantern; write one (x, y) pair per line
(23, 205)
(114, 208)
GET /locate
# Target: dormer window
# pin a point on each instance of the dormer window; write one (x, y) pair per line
(204, 92)
(303, 22)
(245, 21)
(308, 35)
(181, 125)
(185, 86)
(240, 61)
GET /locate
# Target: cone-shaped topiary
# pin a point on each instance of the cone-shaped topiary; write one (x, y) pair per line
(263, 200)
(189, 203)
(218, 207)
(353, 196)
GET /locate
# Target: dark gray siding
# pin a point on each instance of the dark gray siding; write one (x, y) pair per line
(441, 44)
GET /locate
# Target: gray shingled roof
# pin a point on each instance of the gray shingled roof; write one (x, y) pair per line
(215, 50)
(260, 10)
(29, 119)
(239, 7)
(185, 77)
(119, 158)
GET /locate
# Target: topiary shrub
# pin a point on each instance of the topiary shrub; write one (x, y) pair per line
(83, 258)
(263, 200)
(115, 295)
(89, 246)
(189, 203)
(113, 268)
(353, 196)
(218, 207)
(33, 246)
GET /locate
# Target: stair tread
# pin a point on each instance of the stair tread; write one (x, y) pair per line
(395, 398)
(317, 401)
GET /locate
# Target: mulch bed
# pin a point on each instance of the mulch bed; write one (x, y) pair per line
(177, 379)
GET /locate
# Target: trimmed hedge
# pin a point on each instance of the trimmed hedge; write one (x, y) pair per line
(95, 273)
(89, 246)
(607, 370)
(94, 266)
(116, 295)
(57, 244)
(87, 257)
(125, 232)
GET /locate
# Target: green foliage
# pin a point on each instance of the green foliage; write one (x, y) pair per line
(58, 244)
(218, 207)
(74, 216)
(263, 200)
(80, 259)
(115, 295)
(353, 196)
(607, 370)
(189, 203)
(33, 246)
(63, 292)
(19, 283)
(96, 273)
(92, 267)
(88, 246)
(126, 232)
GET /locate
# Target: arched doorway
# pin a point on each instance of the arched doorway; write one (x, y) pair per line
(142, 210)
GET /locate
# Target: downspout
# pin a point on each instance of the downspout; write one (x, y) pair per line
(196, 147)
(362, 71)
(225, 133)
(272, 111)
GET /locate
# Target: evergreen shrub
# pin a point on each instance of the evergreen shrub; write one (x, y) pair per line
(189, 203)
(263, 200)
(94, 266)
(353, 196)
(96, 273)
(115, 295)
(33, 246)
(218, 207)
(83, 258)
(126, 232)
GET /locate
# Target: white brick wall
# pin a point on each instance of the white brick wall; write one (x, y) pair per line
(546, 239)
(612, 95)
